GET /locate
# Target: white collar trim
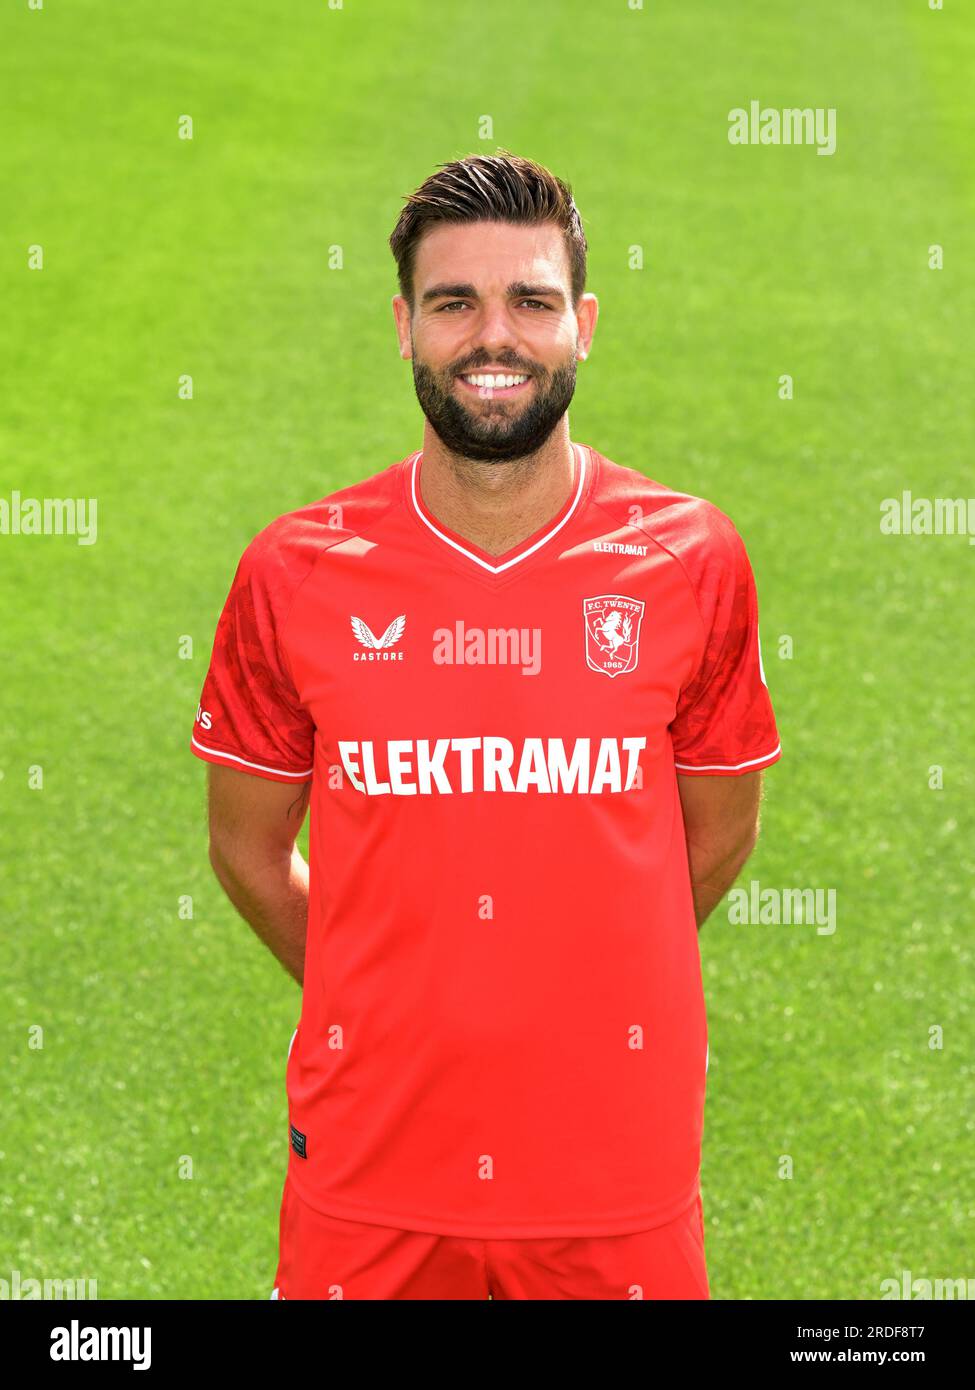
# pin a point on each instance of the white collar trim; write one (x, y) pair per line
(478, 560)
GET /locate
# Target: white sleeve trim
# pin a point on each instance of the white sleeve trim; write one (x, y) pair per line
(724, 767)
(259, 767)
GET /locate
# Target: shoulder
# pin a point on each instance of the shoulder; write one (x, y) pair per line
(698, 535)
(282, 554)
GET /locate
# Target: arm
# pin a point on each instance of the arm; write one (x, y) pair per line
(721, 824)
(253, 827)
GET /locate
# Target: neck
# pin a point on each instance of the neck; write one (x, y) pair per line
(496, 506)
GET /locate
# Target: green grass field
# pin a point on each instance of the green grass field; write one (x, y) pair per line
(165, 1037)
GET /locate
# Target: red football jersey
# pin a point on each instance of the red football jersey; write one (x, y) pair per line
(502, 1031)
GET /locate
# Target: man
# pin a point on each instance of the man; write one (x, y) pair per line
(520, 687)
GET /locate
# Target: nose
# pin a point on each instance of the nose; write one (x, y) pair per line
(496, 337)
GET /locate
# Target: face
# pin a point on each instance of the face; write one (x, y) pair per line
(492, 302)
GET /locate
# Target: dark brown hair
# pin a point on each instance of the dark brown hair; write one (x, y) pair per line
(489, 188)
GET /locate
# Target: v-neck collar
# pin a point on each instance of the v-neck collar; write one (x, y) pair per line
(481, 559)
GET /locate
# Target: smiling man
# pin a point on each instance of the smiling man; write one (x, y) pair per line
(521, 688)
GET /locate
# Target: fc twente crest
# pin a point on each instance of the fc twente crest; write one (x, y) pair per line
(612, 633)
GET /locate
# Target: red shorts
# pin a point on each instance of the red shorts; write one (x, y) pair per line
(324, 1257)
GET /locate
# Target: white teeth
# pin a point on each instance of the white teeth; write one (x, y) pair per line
(493, 382)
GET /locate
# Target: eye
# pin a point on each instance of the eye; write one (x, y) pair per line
(454, 303)
(540, 304)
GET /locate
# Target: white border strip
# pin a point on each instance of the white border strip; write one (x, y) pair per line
(232, 757)
(499, 569)
(720, 767)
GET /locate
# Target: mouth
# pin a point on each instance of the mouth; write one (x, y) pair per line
(495, 385)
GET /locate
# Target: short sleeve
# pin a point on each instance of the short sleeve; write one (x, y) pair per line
(250, 716)
(724, 724)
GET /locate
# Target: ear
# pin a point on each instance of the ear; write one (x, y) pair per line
(403, 319)
(587, 312)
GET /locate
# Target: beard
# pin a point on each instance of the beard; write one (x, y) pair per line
(495, 431)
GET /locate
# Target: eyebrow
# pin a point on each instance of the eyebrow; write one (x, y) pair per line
(518, 289)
